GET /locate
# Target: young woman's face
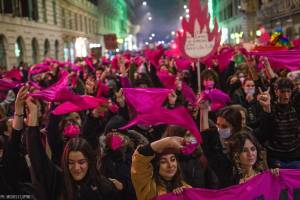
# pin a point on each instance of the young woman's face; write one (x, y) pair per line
(78, 165)
(167, 166)
(249, 84)
(248, 156)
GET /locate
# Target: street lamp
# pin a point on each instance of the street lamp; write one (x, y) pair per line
(180, 17)
(144, 3)
(185, 6)
(153, 35)
(173, 32)
(150, 18)
(187, 10)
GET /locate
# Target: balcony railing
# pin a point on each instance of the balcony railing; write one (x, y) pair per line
(279, 8)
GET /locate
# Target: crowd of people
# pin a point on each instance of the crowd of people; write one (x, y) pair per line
(57, 143)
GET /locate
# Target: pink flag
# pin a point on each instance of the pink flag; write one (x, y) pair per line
(178, 116)
(217, 98)
(263, 186)
(59, 91)
(167, 80)
(183, 64)
(188, 93)
(145, 100)
(89, 63)
(39, 68)
(14, 73)
(7, 84)
(78, 103)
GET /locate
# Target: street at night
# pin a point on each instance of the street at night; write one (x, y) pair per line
(150, 99)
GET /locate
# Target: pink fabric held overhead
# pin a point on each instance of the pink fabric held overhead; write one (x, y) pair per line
(39, 68)
(183, 64)
(167, 80)
(78, 103)
(263, 186)
(14, 73)
(188, 93)
(7, 84)
(89, 63)
(283, 59)
(217, 98)
(145, 100)
(178, 116)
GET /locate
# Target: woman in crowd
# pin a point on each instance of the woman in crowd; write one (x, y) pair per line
(216, 141)
(78, 179)
(194, 166)
(248, 157)
(155, 170)
(246, 97)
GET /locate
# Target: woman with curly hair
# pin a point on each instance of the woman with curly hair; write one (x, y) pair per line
(248, 157)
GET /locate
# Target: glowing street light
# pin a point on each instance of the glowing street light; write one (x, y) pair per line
(185, 6)
(146, 43)
(187, 10)
(163, 42)
(144, 3)
(181, 17)
(150, 18)
(117, 50)
(150, 38)
(173, 32)
(153, 35)
(187, 16)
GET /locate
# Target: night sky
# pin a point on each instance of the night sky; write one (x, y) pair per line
(165, 18)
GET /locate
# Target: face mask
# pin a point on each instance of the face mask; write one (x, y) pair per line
(224, 133)
(208, 84)
(115, 141)
(190, 146)
(71, 130)
(249, 91)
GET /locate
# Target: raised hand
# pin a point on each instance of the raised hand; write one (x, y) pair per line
(120, 98)
(172, 97)
(264, 99)
(20, 100)
(174, 143)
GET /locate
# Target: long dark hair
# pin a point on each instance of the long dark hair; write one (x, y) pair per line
(236, 147)
(177, 179)
(81, 145)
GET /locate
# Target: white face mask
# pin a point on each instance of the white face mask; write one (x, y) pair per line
(224, 133)
(249, 91)
(191, 139)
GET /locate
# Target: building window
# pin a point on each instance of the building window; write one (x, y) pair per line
(76, 23)
(35, 50)
(70, 20)
(54, 11)
(19, 50)
(63, 18)
(66, 51)
(80, 22)
(56, 49)
(44, 10)
(2, 52)
(46, 48)
(86, 25)
(35, 10)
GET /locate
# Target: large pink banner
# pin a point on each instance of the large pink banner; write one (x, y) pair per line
(262, 187)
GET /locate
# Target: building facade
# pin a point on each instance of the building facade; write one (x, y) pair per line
(281, 13)
(237, 18)
(31, 30)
